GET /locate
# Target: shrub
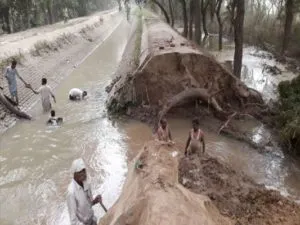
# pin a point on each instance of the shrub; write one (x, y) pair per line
(289, 114)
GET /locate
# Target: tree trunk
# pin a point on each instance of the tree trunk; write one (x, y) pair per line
(289, 15)
(120, 5)
(171, 13)
(185, 18)
(6, 12)
(50, 12)
(218, 14)
(204, 6)
(191, 22)
(82, 11)
(197, 18)
(238, 36)
(12, 109)
(27, 19)
(163, 10)
(190, 95)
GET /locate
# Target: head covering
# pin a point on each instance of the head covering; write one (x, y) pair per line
(77, 165)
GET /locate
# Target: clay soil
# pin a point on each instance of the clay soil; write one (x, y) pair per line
(236, 195)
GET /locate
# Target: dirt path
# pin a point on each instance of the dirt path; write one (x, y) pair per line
(236, 195)
(68, 47)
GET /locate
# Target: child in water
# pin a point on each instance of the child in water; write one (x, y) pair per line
(53, 120)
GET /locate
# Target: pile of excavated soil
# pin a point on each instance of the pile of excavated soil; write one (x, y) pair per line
(173, 71)
(152, 194)
(236, 195)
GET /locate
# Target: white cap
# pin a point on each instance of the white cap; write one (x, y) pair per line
(77, 165)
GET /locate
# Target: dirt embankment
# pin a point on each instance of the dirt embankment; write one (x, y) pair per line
(51, 52)
(173, 72)
(236, 195)
(152, 195)
(164, 187)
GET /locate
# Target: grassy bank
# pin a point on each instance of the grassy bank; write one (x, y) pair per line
(288, 118)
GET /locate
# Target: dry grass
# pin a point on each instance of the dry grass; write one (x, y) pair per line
(7, 61)
(45, 47)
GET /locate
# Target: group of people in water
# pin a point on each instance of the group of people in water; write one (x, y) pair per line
(11, 74)
(195, 142)
(79, 195)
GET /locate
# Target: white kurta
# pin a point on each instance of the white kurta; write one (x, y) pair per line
(46, 94)
(79, 201)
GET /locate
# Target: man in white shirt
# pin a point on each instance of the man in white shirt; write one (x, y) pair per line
(11, 73)
(79, 198)
(46, 94)
(77, 94)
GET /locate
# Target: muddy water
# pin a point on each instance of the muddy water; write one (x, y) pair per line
(35, 159)
(254, 74)
(272, 169)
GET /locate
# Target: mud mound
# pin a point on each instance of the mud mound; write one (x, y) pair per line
(152, 194)
(235, 195)
(173, 71)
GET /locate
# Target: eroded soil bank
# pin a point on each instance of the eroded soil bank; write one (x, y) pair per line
(236, 195)
(170, 71)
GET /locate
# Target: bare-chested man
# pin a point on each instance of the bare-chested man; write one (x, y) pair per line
(163, 132)
(196, 137)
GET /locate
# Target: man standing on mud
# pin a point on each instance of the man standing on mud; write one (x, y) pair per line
(11, 75)
(79, 197)
(196, 137)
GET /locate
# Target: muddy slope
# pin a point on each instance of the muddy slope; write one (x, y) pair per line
(236, 195)
(173, 71)
(152, 194)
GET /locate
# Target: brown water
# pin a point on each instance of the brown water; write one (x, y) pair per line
(273, 169)
(35, 159)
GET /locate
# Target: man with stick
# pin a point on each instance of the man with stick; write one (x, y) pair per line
(79, 197)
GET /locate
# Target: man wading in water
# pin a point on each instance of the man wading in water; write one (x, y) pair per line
(196, 136)
(163, 132)
(79, 198)
(46, 94)
(11, 74)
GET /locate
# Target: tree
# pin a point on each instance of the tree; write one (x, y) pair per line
(239, 12)
(185, 18)
(197, 18)
(162, 9)
(289, 15)
(191, 22)
(171, 13)
(204, 7)
(218, 14)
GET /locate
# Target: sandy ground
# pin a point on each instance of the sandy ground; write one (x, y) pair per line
(236, 195)
(78, 38)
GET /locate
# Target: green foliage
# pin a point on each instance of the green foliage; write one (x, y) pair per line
(24, 14)
(289, 115)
